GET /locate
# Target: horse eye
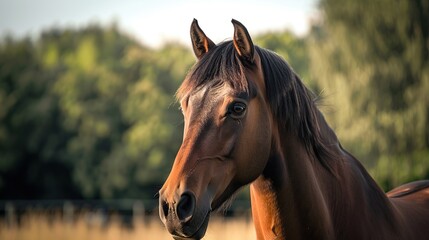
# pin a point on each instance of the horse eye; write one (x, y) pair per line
(237, 109)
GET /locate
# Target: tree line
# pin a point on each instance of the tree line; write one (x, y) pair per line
(90, 112)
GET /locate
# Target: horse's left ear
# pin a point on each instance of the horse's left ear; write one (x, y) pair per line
(200, 42)
(243, 42)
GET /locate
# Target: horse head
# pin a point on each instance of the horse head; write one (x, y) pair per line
(227, 132)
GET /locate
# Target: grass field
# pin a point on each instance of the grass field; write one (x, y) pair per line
(41, 226)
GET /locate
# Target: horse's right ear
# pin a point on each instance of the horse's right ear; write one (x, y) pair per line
(200, 42)
(243, 42)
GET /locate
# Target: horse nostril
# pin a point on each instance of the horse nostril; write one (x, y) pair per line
(185, 207)
(163, 209)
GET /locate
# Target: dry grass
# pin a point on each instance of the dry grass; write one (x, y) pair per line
(40, 226)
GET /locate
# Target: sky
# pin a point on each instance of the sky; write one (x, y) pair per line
(155, 22)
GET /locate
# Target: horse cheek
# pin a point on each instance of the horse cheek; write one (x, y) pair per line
(255, 144)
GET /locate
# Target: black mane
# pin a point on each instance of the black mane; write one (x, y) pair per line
(221, 65)
(291, 102)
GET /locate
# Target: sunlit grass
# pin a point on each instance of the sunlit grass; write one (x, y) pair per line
(41, 226)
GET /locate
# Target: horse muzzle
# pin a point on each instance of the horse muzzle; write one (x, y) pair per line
(183, 217)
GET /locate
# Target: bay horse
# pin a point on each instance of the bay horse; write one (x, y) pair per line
(248, 119)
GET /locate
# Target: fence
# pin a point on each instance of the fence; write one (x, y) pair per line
(99, 211)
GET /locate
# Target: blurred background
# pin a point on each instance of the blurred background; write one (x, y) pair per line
(89, 126)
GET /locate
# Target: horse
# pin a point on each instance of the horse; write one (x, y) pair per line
(249, 119)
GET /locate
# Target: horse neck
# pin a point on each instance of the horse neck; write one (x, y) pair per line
(298, 198)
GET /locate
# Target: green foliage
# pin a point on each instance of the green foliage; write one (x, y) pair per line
(90, 113)
(87, 113)
(372, 59)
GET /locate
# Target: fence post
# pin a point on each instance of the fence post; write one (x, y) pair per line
(10, 214)
(68, 212)
(138, 212)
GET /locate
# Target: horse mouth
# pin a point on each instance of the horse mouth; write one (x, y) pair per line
(225, 199)
(199, 233)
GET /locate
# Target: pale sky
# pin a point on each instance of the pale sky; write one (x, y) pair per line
(155, 21)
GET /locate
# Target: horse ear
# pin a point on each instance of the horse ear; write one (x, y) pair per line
(200, 42)
(242, 42)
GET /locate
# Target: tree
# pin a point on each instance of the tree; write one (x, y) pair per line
(87, 113)
(31, 139)
(372, 60)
